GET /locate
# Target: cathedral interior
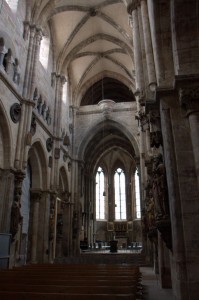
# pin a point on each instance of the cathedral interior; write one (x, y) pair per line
(99, 134)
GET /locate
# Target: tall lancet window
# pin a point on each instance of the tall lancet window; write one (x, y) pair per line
(120, 195)
(100, 195)
(137, 195)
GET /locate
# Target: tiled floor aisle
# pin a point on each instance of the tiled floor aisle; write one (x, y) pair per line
(152, 289)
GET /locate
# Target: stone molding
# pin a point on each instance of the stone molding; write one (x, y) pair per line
(133, 5)
(189, 98)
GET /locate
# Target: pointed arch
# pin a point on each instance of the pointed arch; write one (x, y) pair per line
(38, 164)
(127, 82)
(63, 180)
(100, 126)
(5, 139)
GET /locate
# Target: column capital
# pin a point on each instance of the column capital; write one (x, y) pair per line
(189, 98)
(132, 5)
(36, 195)
(39, 35)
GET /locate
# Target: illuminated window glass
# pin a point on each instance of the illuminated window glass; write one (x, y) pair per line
(137, 195)
(120, 195)
(44, 52)
(13, 4)
(100, 198)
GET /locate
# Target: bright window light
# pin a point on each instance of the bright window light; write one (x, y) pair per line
(100, 197)
(120, 195)
(13, 4)
(44, 52)
(137, 195)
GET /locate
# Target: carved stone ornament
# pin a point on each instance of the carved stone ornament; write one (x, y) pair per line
(155, 139)
(143, 120)
(16, 217)
(66, 140)
(189, 98)
(49, 144)
(57, 153)
(132, 6)
(69, 166)
(33, 125)
(15, 112)
(35, 94)
(71, 128)
(65, 157)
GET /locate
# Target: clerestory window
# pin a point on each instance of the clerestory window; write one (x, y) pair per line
(100, 195)
(120, 195)
(13, 4)
(44, 52)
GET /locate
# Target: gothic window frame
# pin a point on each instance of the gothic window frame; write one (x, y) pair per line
(100, 208)
(121, 210)
(137, 195)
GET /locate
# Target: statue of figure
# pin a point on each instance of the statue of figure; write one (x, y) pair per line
(39, 104)
(16, 218)
(48, 117)
(7, 61)
(35, 95)
(150, 208)
(16, 75)
(43, 110)
(160, 188)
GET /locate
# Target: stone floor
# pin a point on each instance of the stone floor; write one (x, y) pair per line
(152, 289)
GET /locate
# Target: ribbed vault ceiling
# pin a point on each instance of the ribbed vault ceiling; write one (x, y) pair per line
(89, 37)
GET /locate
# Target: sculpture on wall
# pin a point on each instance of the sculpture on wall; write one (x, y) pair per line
(49, 144)
(39, 104)
(155, 139)
(16, 218)
(35, 95)
(7, 60)
(16, 75)
(15, 112)
(160, 188)
(33, 125)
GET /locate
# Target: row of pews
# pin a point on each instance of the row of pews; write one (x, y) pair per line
(71, 282)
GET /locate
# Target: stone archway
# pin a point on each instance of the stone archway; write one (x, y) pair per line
(63, 216)
(6, 175)
(37, 249)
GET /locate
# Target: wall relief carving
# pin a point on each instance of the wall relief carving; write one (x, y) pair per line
(49, 144)
(15, 112)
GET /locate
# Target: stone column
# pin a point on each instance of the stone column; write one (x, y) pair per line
(29, 105)
(139, 78)
(35, 198)
(148, 46)
(189, 99)
(156, 39)
(6, 198)
(60, 81)
(43, 234)
(179, 258)
(29, 60)
(35, 59)
(66, 222)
